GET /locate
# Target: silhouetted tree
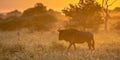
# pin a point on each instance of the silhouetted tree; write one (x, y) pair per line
(39, 18)
(2, 16)
(36, 18)
(38, 9)
(106, 6)
(117, 9)
(14, 13)
(84, 15)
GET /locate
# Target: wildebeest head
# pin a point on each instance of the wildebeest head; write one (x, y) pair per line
(61, 34)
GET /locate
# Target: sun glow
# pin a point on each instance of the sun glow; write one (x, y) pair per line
(8, 5)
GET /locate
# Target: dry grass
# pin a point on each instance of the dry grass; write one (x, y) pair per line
(46, 46)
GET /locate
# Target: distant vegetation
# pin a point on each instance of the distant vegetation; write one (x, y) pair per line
(85, 15)
(35, 18)
(117, 9)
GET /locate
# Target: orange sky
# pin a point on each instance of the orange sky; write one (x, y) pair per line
(9, 5)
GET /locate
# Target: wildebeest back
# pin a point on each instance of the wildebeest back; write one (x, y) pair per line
(75, 36)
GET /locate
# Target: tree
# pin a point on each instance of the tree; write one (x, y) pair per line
(84, 15)
(39, 18)
(14, 13)
(38, 9)
(106, 6)
(117, 9)
(35, 18)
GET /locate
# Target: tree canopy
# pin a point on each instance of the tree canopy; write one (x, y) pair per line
(35, 18)
(84, 15)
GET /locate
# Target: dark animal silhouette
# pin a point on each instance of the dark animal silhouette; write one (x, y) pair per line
(75, 36)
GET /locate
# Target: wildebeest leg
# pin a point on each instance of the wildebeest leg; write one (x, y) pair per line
(89, 45)
(74, 46)
(93, 47)
(69, 46)
(93, 44)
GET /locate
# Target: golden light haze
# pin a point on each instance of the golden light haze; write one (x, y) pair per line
(58, 5)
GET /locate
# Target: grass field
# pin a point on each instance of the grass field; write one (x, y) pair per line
(46, 46)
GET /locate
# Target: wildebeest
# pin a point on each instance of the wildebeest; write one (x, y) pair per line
(74, 36)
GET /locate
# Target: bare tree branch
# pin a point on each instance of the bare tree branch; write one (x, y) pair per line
(103, 2)
(112, 3)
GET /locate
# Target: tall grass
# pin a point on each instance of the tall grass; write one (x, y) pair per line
(46, 46)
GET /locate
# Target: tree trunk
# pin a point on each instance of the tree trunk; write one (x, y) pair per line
(106, 16)
(106, 21)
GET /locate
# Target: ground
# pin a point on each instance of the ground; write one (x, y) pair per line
(46, 46)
